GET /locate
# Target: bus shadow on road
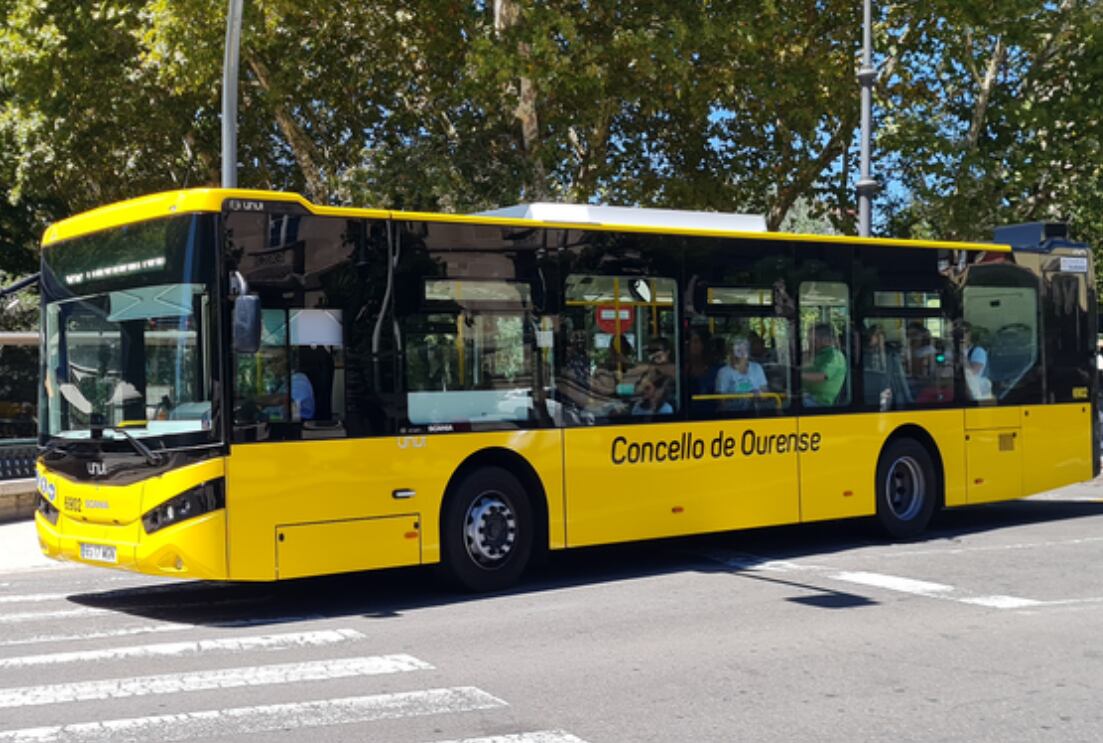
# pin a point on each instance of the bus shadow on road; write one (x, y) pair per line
(389, 594)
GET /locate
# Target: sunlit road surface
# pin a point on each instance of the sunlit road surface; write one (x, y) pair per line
(989, 629)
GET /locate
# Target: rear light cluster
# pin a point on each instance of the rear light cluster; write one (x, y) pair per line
(209, 496)
(46, 508)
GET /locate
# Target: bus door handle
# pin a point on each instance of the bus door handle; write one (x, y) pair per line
(403, 494)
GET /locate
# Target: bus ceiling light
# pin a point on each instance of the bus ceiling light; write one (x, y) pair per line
(210, 496)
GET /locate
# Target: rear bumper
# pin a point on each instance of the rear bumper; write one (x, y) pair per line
(190, 549)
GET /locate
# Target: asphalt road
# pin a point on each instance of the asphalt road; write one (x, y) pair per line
(989, 629)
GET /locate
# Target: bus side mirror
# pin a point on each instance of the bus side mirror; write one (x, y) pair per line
(247, 324)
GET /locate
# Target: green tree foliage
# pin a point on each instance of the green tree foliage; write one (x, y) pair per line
(993, 114)
(989, 112)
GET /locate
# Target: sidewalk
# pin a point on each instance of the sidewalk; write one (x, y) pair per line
(17, 499)
(19, 549)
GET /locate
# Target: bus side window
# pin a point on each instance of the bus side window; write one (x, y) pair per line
(261, 381)
(825, 344)
(738, 354)
(474, 354)
(999, 343)
(621, 345)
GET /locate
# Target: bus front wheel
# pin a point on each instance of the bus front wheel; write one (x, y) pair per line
(487, 531)
(907, 488)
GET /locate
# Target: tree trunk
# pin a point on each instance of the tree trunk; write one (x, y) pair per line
(507, 15)
(298, 140)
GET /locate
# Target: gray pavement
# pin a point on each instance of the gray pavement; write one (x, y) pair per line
(988, 629)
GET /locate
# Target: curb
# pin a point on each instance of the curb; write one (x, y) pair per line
(17, 499)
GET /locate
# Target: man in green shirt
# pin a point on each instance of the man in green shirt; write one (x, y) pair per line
(824, 378)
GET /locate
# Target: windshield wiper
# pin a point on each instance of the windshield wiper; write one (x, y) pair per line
(151, 457)
(56, 445)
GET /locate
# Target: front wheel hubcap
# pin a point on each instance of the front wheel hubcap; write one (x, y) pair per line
(905, 488)
(490, 530)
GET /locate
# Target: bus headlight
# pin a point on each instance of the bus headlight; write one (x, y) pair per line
(46, 508)
(207, 497)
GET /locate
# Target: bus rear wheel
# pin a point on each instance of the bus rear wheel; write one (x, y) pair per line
(907, 488)
(486, 531)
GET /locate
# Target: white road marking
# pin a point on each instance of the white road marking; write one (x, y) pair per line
(227, 678)
(147, 629)
(37, 616)
(749, 563)
(228, 723)
(169, 649)
(1001, 602)
(893, 583)
(989, 548)
(32, 598)
(538, 736)
(156, 629)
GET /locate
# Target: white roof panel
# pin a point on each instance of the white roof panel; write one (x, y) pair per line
(631, 216)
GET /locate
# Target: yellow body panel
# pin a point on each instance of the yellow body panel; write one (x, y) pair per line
(839, 478)
(272, 486)
(194, 548)
(333, 502)
(994, 465)
(1056, 445)
(341, 546)
(686, 478)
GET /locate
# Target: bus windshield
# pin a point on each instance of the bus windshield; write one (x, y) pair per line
(129, 318)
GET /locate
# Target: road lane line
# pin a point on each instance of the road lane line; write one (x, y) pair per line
(1001, 602)
(749, 563)
(32, 598)
(37, 616)
(195, 647)
(227, 723)
(537, 736)
(893, 583)
(227, 678)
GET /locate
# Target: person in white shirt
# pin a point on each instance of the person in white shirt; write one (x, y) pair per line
(975, 365)
(740, 376)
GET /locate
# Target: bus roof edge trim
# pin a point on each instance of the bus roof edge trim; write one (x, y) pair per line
(160, 205)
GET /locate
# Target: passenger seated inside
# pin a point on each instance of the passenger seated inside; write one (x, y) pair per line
(652, 394)
(883, 377)
(742, 378)
(824, 376)
(975, 364)
(701, 366)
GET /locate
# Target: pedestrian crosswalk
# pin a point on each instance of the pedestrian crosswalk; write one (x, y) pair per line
(61, 683)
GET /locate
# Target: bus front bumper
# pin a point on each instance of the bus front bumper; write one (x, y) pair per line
(195, 548)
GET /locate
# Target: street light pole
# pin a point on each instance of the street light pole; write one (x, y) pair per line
(229, 94)
(867, 75)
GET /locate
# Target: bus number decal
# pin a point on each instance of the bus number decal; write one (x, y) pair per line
(415, 442)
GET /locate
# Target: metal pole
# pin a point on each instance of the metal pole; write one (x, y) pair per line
(867, 75)
(229, 94)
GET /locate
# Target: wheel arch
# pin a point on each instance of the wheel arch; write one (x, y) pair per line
(520, 468)
(919, 434)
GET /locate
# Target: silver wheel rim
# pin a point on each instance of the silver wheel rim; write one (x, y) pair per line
(490, 530)
(905, 488)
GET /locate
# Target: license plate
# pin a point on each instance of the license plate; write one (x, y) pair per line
(98, 553)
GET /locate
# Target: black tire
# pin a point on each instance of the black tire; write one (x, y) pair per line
(487, 531)
(907, 488)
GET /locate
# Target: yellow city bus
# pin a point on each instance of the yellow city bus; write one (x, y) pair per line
(241, 385)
